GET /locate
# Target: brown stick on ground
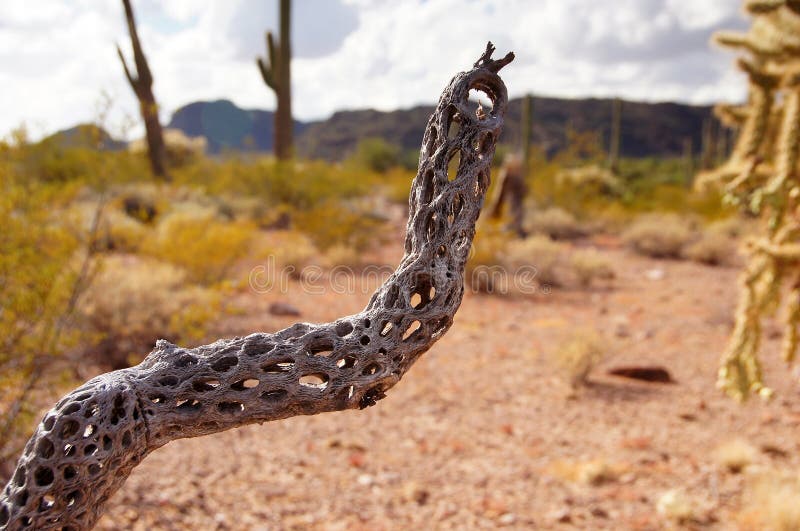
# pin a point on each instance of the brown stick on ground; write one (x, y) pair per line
(85, 447)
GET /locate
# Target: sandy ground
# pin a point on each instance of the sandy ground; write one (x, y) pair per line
(483, 433)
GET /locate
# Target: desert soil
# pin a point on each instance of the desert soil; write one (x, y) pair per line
(484, 433)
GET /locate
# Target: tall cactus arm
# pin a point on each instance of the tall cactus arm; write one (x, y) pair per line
(268, 68)
(85, 447)
(132, 80)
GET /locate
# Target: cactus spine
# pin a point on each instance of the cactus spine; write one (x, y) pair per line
(762, 173)
(142, 85)
(276, 72)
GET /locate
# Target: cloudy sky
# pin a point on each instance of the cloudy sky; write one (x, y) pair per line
(57, 57)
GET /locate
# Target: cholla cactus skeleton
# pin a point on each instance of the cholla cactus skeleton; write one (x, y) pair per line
(84, 448)
(762, 173)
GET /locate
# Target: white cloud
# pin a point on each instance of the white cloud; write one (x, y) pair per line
(55, 60)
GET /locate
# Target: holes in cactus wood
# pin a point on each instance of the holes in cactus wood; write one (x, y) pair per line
(364, 340)
(274, 395)
(387, 327)
(90, 449)
(69, 473)
(230, 407)
(189, 405)
(278, 368)
(48, 423)
(453, 165)
(413, 327)
(416, 299)
(205, 384)
(350, 391)
(323, 349)
(48, 500)
(185, 360)
(225, 364)
(95, 468)
(480, 98)
(126, 439)
(168, 381)
(69, 450)
(343, 329)
(72, 498)
(43, 476)
(453, 124)
(70, 409)
(347, 362)
(89, 430)
(157, 399)
(371, 369)
(45, 448)
(69, 428)
(315, 380)
(426, 187)
(242, 385)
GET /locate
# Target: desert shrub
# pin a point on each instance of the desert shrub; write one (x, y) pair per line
(735, 455)
(658, 235)
(772, 501)
(485, 272)
(134, 301)
(286, 251)
(676, 505)
(180, 149)
(556, 223)
(712, 248)
(588, 266)
(333, 223)
(200, 243)
(377, 154)
(576, 357)
(540, 252)
(42, 270)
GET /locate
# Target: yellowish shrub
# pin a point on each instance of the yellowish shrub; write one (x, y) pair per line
(773, 501)
(659, 235)
(134, 301)
(540, 252)
(485, 266)
(556, 223)
(588, 266)
(712, 248)
(333, 223)
(735, 455)
(200, 243)
(576, 357)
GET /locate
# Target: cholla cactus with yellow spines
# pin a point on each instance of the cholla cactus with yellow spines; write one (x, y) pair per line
(763, 174)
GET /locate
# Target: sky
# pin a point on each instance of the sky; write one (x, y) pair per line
(58, 62)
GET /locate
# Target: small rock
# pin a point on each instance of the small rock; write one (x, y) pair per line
(283, 308)
(561, 515)
(654, 274)
(621, 325)
(507, 519)
(365, 479)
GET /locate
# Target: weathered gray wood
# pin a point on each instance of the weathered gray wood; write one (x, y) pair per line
(85, 447)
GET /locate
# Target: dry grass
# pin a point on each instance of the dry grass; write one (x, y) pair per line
(659, 235)
(133, 302)
(541, 253)
(556, 223)
(589, 266)
(576, 357)
(772, 502)
(735, 455)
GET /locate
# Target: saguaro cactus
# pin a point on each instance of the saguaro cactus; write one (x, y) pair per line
(762, 174)
(276, 72)
(85, 447)
(526, 126)
(142, 85)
